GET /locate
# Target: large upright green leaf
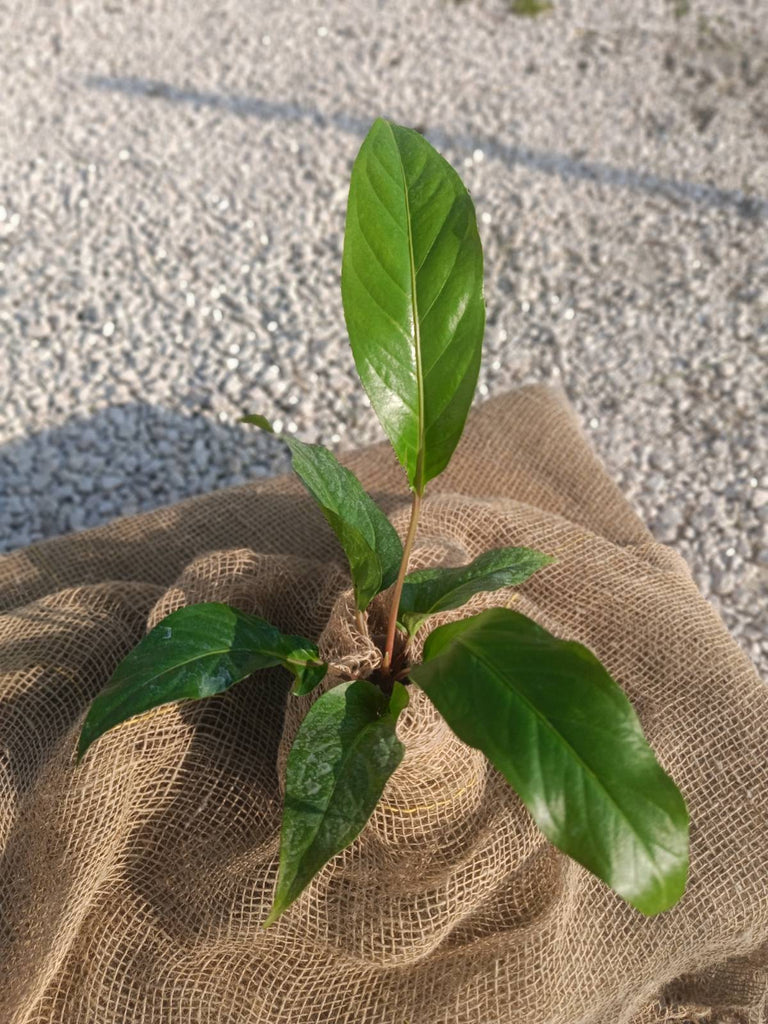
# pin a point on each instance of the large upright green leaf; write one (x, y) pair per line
(341, 758)
(370, 541)
(429, 591)
(547, 714)
(412, 287)
(192, 653)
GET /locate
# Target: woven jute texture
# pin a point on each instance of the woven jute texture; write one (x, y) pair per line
(133, 887)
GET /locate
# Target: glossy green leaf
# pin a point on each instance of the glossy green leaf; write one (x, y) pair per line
(192, 653)
(429, 591)
(369, 540)
(550, 718)
(412, 287)
(341, 758)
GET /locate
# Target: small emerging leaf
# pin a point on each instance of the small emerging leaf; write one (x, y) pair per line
(192, 653)
(370, 542)
(429, 591)
(343, 754)
(551, 719)
(412, 288)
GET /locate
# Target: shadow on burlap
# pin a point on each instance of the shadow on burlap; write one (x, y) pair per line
(133, 887)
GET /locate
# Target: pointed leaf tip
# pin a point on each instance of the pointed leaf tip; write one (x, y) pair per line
(258, 421)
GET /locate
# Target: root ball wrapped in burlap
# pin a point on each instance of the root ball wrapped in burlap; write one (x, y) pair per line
(133, 888)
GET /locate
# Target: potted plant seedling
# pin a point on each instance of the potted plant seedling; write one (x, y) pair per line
(544, 711)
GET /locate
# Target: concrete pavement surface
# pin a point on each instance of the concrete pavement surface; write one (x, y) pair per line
(173, 181)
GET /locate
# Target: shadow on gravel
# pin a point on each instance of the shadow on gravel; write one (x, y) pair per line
(121, 460)
(132, 475)
(563, 166)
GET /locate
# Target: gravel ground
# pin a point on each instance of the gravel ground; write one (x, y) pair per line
(172, 191)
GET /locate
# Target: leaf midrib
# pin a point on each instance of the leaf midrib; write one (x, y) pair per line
(211, 654)
(418, 486)
(454, 588)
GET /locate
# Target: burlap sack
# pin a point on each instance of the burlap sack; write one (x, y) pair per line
(133, 887)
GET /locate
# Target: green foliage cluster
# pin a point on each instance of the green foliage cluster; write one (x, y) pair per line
(543, 710)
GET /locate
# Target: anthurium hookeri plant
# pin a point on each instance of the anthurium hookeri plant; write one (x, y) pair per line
(543, 710)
